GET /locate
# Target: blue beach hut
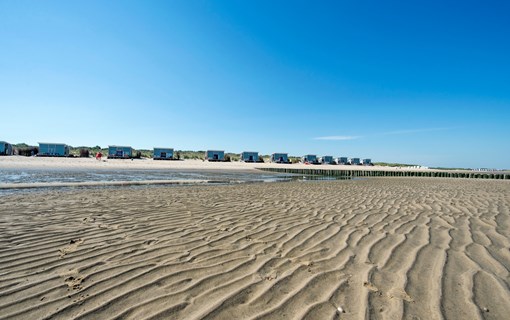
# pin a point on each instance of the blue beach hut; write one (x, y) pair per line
(367, 162)
(53, 149)
(326, 160)
(120, 152)
(5, 148)
(215, 155)
(163, 154)
(280, 158)
(250, 156)
(354, 161)
(342, 160)
(309, 158)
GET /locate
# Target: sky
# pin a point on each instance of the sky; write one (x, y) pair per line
(421, 82)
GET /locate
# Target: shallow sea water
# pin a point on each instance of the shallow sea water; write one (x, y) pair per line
(41, 176)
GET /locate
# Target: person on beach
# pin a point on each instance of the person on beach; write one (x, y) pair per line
(99, 155)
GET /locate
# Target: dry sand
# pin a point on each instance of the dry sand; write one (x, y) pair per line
(378, 248)
(19, 162)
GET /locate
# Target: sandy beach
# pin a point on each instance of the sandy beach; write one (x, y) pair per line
(380, 248)
(388, 197)
(19, 162)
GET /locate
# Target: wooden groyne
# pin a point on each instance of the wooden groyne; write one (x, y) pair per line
(348, 173)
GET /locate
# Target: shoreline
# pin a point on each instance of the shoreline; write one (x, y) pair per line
(44, 185)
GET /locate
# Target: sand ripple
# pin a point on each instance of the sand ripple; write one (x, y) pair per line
(378, 248)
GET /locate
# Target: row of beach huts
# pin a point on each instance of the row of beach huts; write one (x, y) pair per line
(127, 152)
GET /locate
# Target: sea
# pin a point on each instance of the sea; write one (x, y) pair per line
(14, 181)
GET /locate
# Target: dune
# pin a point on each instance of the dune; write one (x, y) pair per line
(382, 248)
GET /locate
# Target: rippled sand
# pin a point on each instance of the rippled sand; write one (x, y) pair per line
(379, 248)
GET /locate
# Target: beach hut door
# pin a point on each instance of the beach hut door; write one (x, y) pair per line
(163, 154)
(119, 153)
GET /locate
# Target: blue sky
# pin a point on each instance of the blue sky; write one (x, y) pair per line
(395, 81)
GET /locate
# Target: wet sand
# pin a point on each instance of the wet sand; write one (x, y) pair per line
(385, 248)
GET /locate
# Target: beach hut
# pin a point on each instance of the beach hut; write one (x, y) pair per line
(5, 149)
(354, 161)
(280, 157)
(53, 149)
(250, 156)
(367, 162)
(342, 160)
(309, 158)
(215, 155)
(163, 154)
(326, 160)
(120, 152)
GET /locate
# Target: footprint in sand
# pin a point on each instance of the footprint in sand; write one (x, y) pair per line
(370, 286)
(73, 279)
(399, 294)
(73, 245)
(73, 282)
(269, 277)
(89, 220)
(150, 242)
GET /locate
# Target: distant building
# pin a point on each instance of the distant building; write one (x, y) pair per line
(354, 161)
(280, 157)
(342, 160)
(53, 149)
(250, 156)
(326, 160)
(309, 158)
(215, 155)
(5, 149)
(367, 162)
(163, 154)
(120, 152)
